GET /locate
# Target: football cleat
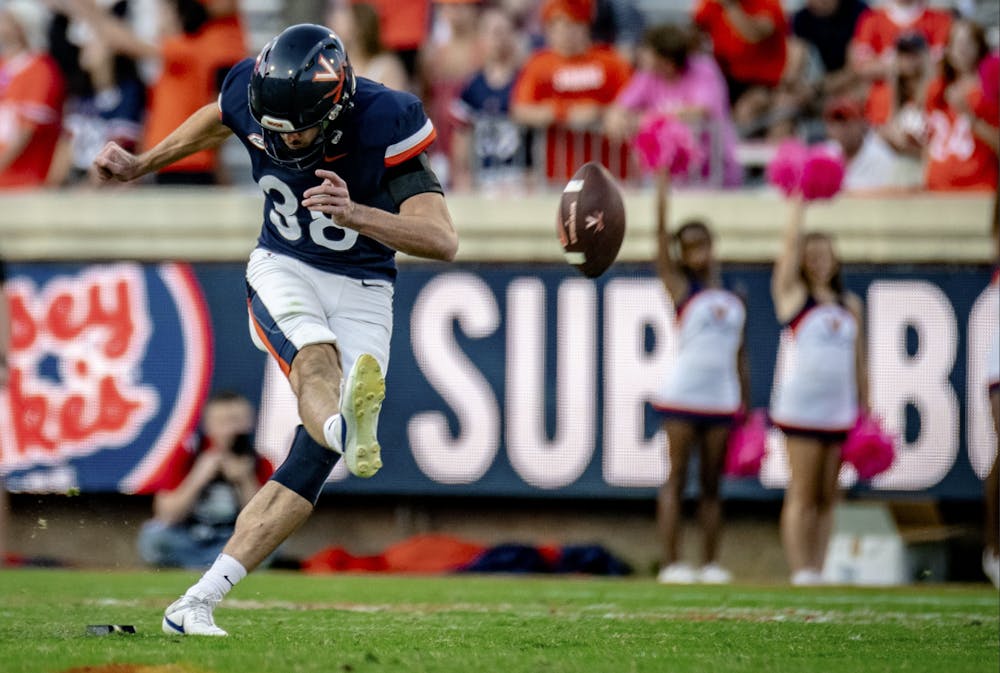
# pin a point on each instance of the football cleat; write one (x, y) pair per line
(359, 410)
(191, 616)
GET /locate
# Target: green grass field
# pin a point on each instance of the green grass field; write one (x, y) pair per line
(290, 623)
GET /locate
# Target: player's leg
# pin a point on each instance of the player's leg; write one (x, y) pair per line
(713, 458)
(287, 318)
(798, 511)
(826, 501)
(680, 437)
(362, 321)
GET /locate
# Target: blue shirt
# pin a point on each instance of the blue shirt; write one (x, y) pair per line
(384, 129)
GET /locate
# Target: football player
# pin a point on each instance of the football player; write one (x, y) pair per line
(346, 183)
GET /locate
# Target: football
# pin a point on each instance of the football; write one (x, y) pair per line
(591, 220)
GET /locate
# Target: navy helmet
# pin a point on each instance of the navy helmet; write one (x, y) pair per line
(302, 78)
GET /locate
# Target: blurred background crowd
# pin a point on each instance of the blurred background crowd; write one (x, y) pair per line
(523, 91)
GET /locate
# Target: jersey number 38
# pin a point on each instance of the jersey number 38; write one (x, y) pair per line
(284, 216)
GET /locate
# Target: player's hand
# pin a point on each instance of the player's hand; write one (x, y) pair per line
(330, 197)
(114, 162)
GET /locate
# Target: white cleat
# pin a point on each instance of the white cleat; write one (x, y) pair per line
(713, 573)
(363, 395)
(677, 573)
(190, 616)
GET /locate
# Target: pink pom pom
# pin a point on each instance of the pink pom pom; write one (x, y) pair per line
(869, 448)
(747, 446)
(648, 146)
(785, 169)
(822, 174)
(663, 142)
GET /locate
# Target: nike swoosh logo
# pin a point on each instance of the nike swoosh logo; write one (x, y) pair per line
(334, 158)
(226, 577)
(175, 627)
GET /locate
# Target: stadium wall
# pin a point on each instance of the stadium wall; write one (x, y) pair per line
(512, 376)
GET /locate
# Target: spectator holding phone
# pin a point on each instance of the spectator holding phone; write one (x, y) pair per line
(204, 486)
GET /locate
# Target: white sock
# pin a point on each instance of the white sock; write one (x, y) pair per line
(333, 433)
(218, 580)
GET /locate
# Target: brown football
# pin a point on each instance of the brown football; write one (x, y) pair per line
(591, 221)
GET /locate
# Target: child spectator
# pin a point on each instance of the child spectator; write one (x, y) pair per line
(206, 484)
(31, 96)
(567, 86)
(676, 80)
(487, 146)
(870, 52)
(196, 52)
(962, 121)
(358, 27)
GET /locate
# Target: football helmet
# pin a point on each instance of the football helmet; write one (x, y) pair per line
(302, 78)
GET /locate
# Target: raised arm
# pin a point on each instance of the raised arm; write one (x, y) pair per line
(673, 280)
(201, 131)
(787, 288)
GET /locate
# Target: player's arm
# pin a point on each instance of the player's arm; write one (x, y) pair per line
(673, 280)
(201, 131)
(787, 289)
(422, 228)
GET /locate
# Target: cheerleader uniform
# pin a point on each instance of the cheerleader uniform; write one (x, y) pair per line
(819, 397)
(703, 385)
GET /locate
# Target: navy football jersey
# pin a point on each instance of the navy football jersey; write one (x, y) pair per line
(385, 129)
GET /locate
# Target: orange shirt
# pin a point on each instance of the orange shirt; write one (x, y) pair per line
(956, 158)
(878, 107)
(743, 61)
(876, 31)
(31, 95)
(191, 64)
(595, 76)
(402, 25)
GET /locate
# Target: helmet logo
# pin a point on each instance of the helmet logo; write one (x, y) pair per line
(276, 124)
(327, 73)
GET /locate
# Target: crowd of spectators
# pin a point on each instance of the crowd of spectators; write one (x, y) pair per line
(517, 88)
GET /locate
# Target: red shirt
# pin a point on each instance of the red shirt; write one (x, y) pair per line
(31, 95)
(752, 63)
(175, 469)
(596, 76)
(191, 64)
(956, 158)
(877, 31)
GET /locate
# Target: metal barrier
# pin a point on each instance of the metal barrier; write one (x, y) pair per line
(506, 153)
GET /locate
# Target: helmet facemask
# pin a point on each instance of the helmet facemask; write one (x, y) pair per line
(304, 158)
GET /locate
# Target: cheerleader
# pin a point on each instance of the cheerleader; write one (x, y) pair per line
(817, 403)
(704, 391)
